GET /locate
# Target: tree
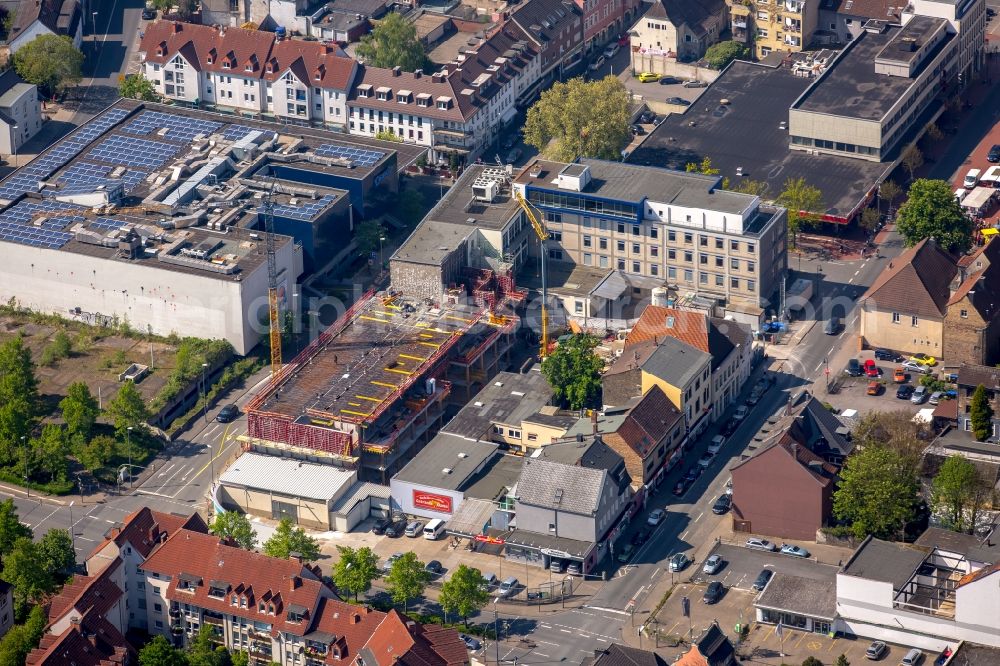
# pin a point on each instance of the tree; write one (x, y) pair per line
(464, 593)
(804, 203)
(842, 661)
(159, 652)
(240, 659)
(236, 526)
(407, 579)
(574, 372)
(11, 528)
(981, 414)
(931, 211)
(288, 539)
(51, 62)
(127, 409)
(79, 410)
(355, 570)
(393, 43)
(57, 552)
(580, 119)
(721, 54)
(953, 489)
(756, 187)
(877, 494)
(912, 160)
(811, 661)
(137, 86)
(934, 132)
(386, 135)
(367, 236)
(705, 167)
(96, 453)
(50, 451)
(410, 206)
(18, 396)
(889, 191)
(23, 638)
(24, 568)
(869, 219)
(203, 652)
(896, 431)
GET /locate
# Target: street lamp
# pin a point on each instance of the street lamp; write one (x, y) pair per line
(72, 536)
(128, 446)
(204, 404)
(380, 241)
(94, 24)
(24, 454)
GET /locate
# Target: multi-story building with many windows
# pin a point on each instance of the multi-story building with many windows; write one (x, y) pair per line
(660, 227)
(769, 26)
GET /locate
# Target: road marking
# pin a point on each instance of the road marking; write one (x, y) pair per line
(683, 536)
(699, 516)
(547, 626)
(606, 610)
(857, 272)
(851, 281)
(542, 654)
(566, 631)
(83, 538)
(43, 519)
(818, 366)
(538, 640)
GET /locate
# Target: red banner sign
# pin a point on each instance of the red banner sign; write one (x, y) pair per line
(431, 501)
(483, 538)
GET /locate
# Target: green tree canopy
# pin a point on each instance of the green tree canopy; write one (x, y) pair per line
(407, 579)
(705, 167)
(981, 414)
(236, 526)
(51, 62)
(954, 488)
(288, 539)
(11, 528)
(804, 203)
(79, 410)
(393, 43)
(127, 409)
(464, 593)
(23, 638)
(580, 119)
(202, 651)
(137, 86)
(367, 236)
(931, 211)
(721, 54)
(574, 372)
(877, 494)
(18, 397)
(50, 451)
(159, 652)
(25, 568)
(748, 186)
(57, 552)
(355, 570)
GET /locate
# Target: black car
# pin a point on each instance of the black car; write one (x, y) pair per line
(854, 368)
(681, 487)
(692, 473)
(679, 101)
(148, 14)
(887, 355)
(381, 525)
(396, 528)
(994, 154)
(433, 568)
(647, 117)
(636, 130)
(762, 578)
(713, 592)
(732, 425)
(669, 80)
(228, 413)
(904, 392)
(722, 504)
(641, 537)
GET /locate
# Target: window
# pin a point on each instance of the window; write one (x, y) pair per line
(621, 264)
(718, 243)
(587, 242)
(734, 264)
(588, 259)
(553, 217)
(654, 251)
(688, 274)
(734, 283)
(621, 227)
(156, 590)
(635, 267)
(671, 235)
(577, 307)
(556, 236)
(635, 230)
(750, 248)
(718, 262)
(895, 317)
(159, 624)
(914, 321)
(703, 259)
(556, 254)
(654, 269)
(652, 232)
(718, 281)
(751, 266)
(635, 248)
(688, 256)
(157, 608)
(603, 261)
(703, 241)
(671, 273)
(751, 285)
(703, 278)
(688, 239)
(621, 246)
(964, 314)
(734, 246)
(671, 254)
(602, 243)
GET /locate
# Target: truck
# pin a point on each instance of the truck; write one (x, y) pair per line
(798, 295)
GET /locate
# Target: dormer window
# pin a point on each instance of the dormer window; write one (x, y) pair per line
(270, 609)
(234, 600)
(424, 100)
(444, 103)
(261, 607)
(248, 68)
(225, 64)
(382, 93)
(404, 96)
(364, 90)
(218, 589)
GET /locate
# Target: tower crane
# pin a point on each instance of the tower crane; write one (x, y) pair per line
(543, 235)
(272, 282)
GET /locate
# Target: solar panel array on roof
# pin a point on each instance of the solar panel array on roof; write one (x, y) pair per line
(107, 223)
(78, 177)
(141, 153)
(360, 156)
(237, 132)
(305, 212)
(16, 224)
(179, 128)
(34, 236)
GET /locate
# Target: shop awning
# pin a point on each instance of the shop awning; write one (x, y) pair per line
(472, 518)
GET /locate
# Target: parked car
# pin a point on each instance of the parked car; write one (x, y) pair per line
(832, 326)
(732, 425)
(741, 412)
(936, 397)
(994, 154)
(853, 368)
(762, 579)
(692, 473)
(380, 525)
(414, 528)
(716, 444)
(513, 155)
(148, 13)
(872, 370)
(679, 562)
(489, 581)
(573, 568)
(712, 564)
(924, 359)
(912, 658)
(913, 366)
(396, 528)
(611, 50)
(792, 549)
(656, 517)
(387, 565)
(636, 130)
(899, 376)
(641, 537)
(557, 566)
(508, 587)
(623, 39)
(904, 392)
(754, 396)
(228, 413)
(679, 101)
(706, 460)
(596, 64)
(681, 487)
(887, 355)
(510, 141)
(722, 504)
(695, 84)
(647, 117)
(471, 643)
(713, 592)
(434, 568)
(669, 80)
(876, 650)
(874, 388)
(919, 396)
(625, 553)
(647, 77)
(760, 544)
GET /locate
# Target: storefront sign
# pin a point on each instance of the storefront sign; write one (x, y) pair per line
(482, 538)
(431, 501)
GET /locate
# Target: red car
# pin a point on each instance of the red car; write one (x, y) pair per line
(623, 39)
(871, 369)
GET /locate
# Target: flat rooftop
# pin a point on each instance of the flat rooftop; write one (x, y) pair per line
(851, 87)
(510, 398)
(287, 476)
(635, 183)
(745, 133)
(447, 462)
(802, 596)
(885, 561)
(384, 347)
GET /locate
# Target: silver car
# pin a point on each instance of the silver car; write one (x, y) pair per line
(712, 564)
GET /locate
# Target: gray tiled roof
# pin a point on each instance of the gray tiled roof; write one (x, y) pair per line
(675, 362)
(554, 485)
(885, 561)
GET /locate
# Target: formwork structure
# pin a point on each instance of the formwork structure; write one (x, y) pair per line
(371, 390)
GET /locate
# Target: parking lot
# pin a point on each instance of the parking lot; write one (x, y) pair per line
(742, 565)
(852, 392)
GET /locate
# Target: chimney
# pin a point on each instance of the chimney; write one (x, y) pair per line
(593, 421)
(177, 27)
(579, 436)
(294, 582)
(396, 70)
(417, 73)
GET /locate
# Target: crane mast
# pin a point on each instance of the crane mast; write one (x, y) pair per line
(542, 237)
(272, 283)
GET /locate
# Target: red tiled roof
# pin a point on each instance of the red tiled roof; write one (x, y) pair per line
(687, 326)
(978, 573)
(916, 282)
(648, 422)
(259, 577)
(92, 642)
(399, 640)
(144, 528)
(87, 593)
(307, 60)
(352, 625)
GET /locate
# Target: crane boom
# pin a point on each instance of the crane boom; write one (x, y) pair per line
(543, 235)
(272, 283)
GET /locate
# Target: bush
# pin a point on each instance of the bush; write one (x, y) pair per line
(232, 375)
(191, 353)
(58, 349)
(54, 487)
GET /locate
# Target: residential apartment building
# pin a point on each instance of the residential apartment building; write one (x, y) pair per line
(840, 21)
(20, 112)
(969, 378)
(555, 31)
(972, 317)
(248, 72)
(6, 607)
(460, 110)
(33, 18)
(899, 70)
(660, 227)
(603, 20)
(672, 32)
(769, 26)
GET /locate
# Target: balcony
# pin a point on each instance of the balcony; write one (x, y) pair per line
(740, 22)
(449, 132)
(792, 41)
(208, 619)
(793, 26)
(740, 35)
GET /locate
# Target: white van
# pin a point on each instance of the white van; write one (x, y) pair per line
(971, 178)
(960, 194)
(434, 529)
